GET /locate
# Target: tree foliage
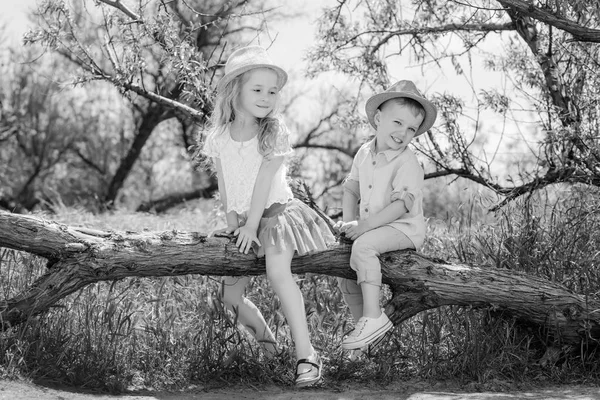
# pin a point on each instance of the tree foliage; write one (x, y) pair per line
(544, 55)
(161, 57)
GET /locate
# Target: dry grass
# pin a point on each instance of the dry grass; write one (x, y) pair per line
(172, 332)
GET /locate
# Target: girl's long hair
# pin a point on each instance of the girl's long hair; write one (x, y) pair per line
(225, 110)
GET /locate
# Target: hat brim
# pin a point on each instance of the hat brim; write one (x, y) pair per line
(282, 76)
(377, 100)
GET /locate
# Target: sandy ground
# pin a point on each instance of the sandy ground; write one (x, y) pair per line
(18, 390)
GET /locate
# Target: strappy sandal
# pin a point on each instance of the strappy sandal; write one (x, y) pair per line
(313, 375)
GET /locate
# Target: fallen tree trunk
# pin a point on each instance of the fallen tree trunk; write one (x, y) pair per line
(78, 257)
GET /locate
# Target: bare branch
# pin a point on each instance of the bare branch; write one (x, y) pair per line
(443, 29)
(118, 4)
(349, 153)
(579, 32)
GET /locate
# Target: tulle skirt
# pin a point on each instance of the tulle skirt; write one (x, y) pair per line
(293, 225)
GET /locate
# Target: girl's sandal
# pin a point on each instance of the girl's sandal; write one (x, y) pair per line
(311, 376)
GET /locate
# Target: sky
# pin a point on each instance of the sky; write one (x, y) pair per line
(14, 16)
(293, 37)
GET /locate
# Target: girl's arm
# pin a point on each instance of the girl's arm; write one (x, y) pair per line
(248, 233)
(230, 216)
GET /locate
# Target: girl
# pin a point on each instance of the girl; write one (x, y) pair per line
(247, 143)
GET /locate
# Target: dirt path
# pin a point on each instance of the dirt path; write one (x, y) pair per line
(13, 390)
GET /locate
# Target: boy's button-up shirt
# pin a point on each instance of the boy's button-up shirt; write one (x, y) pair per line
(378, 179)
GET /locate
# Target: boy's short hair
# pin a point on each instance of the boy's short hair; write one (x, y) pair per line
(402, 90)
(414, 106)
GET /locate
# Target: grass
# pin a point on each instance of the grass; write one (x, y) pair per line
(172, 332)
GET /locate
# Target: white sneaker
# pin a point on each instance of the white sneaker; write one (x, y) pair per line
(366, 331)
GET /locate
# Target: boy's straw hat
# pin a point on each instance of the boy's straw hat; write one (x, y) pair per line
(248, 58)
(402, 89)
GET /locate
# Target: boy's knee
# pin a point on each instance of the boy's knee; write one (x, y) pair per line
(363, 249)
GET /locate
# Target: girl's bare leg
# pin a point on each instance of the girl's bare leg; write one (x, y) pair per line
(247, 313)
(280, 276)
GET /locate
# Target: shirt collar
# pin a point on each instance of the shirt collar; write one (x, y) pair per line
(389, 154)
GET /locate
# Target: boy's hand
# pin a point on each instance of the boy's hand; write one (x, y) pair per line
(246, 235)
(354, 229)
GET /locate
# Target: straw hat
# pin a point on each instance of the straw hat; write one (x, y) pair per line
(402, 89)
(248, 58)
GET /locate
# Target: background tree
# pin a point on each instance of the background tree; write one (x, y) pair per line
(44, 128)
(549, 89)
(161, 56)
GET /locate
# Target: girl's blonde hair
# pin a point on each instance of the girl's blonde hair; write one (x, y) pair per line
(225, 110)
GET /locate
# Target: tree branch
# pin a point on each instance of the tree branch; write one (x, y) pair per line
(82, 256)
(443, 29)
(118, 4)
(579, 33)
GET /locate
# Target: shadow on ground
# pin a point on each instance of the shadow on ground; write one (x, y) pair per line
(20, 390)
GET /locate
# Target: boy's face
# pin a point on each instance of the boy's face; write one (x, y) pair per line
(396, 126)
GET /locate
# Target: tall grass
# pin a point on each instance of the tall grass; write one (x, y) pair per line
(172, 332)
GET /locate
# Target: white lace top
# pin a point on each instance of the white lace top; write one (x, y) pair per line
(240, 162)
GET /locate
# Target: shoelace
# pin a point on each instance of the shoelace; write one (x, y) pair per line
(360, 325)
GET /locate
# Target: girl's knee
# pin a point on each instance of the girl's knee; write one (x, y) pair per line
(230, 297)
(348, 286)
(283, 283)
(275, 275)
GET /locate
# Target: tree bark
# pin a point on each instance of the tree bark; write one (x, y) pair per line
(80, 256)
(167, 202)
(153, 116)
(580, 32)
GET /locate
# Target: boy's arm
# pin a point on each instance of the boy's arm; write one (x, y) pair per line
(392, 212)
(262, 187)
(350, 200)
(230, 216)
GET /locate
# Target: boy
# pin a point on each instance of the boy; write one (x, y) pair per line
(387, 179)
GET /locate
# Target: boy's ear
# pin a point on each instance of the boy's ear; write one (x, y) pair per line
(377, 117)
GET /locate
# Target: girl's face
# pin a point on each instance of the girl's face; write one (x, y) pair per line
(258, 93)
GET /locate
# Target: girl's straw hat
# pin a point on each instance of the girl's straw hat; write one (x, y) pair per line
(402, 89)
(248, 58)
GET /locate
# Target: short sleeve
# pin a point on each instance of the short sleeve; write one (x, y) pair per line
(352, 186)
(282, 146)
(358, 159)
(407, 184)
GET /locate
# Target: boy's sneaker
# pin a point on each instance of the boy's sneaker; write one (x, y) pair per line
(366, 331)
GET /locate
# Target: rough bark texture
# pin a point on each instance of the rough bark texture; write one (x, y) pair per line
(552, 17)
(80, 256)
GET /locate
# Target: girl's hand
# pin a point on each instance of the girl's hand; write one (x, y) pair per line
(338, 226)
(354, 229)
(246, 235)
(223, 232)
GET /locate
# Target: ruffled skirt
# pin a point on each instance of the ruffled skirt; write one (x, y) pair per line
(293, 225)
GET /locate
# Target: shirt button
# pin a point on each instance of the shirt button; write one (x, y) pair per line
(370, 186)
(374, 162)
(366, 210)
